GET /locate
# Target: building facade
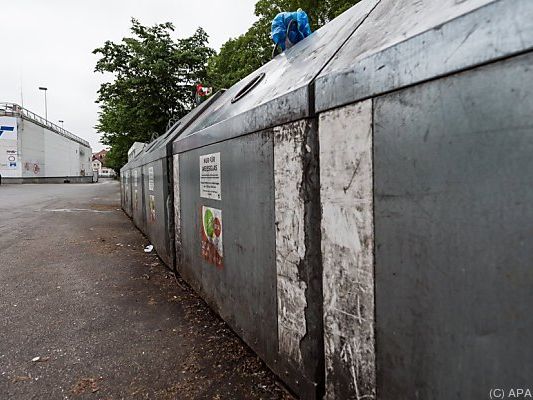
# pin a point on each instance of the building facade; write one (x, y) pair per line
(34, 150)
(99, 169)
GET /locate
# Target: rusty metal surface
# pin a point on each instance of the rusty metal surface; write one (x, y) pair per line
(454, 243)
(284, 93)
(402, 43)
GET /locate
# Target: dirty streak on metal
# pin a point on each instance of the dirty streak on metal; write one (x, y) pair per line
(422, 40)
(126, 192)
(347, 250)
(298, 256)
(284, 93)
(454, 239)
(177, 211)
(138, 198)
(290, 237)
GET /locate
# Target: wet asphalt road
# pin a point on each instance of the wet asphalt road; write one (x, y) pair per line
(107, 320)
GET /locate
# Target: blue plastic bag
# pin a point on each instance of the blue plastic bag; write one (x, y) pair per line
(288, 28)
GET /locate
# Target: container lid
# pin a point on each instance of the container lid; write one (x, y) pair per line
(161, 147)
(278, 92)
(406, 42)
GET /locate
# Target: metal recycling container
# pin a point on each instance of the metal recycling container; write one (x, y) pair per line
(130, 191)
(426, 190)
(125, 189)
(247, 208)
(150, 179)
(137, 194)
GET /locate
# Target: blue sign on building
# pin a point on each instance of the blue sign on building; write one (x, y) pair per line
(6, 129)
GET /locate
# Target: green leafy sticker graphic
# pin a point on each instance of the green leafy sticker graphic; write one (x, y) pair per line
(209, 223)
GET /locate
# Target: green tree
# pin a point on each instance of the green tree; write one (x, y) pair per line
(241, 56)
(154, 78)
(238, 58)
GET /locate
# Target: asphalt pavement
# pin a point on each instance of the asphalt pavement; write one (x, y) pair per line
(86, 314)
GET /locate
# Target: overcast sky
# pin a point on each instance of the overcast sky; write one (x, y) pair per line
(49, 43)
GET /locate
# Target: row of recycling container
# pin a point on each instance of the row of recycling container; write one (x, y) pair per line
(359, 210)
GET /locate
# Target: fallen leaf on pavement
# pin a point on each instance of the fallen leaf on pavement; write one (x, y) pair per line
(86, 385)
(17, 379)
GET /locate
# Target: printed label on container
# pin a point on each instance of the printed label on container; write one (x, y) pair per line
(151, 179)
(210, 173)
(212, 245)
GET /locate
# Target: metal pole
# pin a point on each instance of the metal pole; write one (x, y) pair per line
(45, 107)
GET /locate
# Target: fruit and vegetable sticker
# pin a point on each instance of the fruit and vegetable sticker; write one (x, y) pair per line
(212, 249)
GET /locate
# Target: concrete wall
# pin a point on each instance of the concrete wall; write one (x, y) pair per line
(31, 147)
(44, 153)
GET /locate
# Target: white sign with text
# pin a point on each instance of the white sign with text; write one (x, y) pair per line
(210, 177)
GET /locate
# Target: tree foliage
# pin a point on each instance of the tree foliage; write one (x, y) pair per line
(238, 58)
(154, 77)
(241, 56)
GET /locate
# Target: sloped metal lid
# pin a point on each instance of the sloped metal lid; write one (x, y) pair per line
(281, 89)
(160, 147)
(405, 42)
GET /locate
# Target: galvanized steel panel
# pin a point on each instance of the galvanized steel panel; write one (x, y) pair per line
(244, 291)
(289, 149)
(269, 287)
(156, 189)
(402, 43)
(138, 205)
(177, 211)
(126, 191)
(454, 243)
(346, 191)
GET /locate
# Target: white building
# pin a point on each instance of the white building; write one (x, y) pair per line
(33, 149)
(102, 171)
